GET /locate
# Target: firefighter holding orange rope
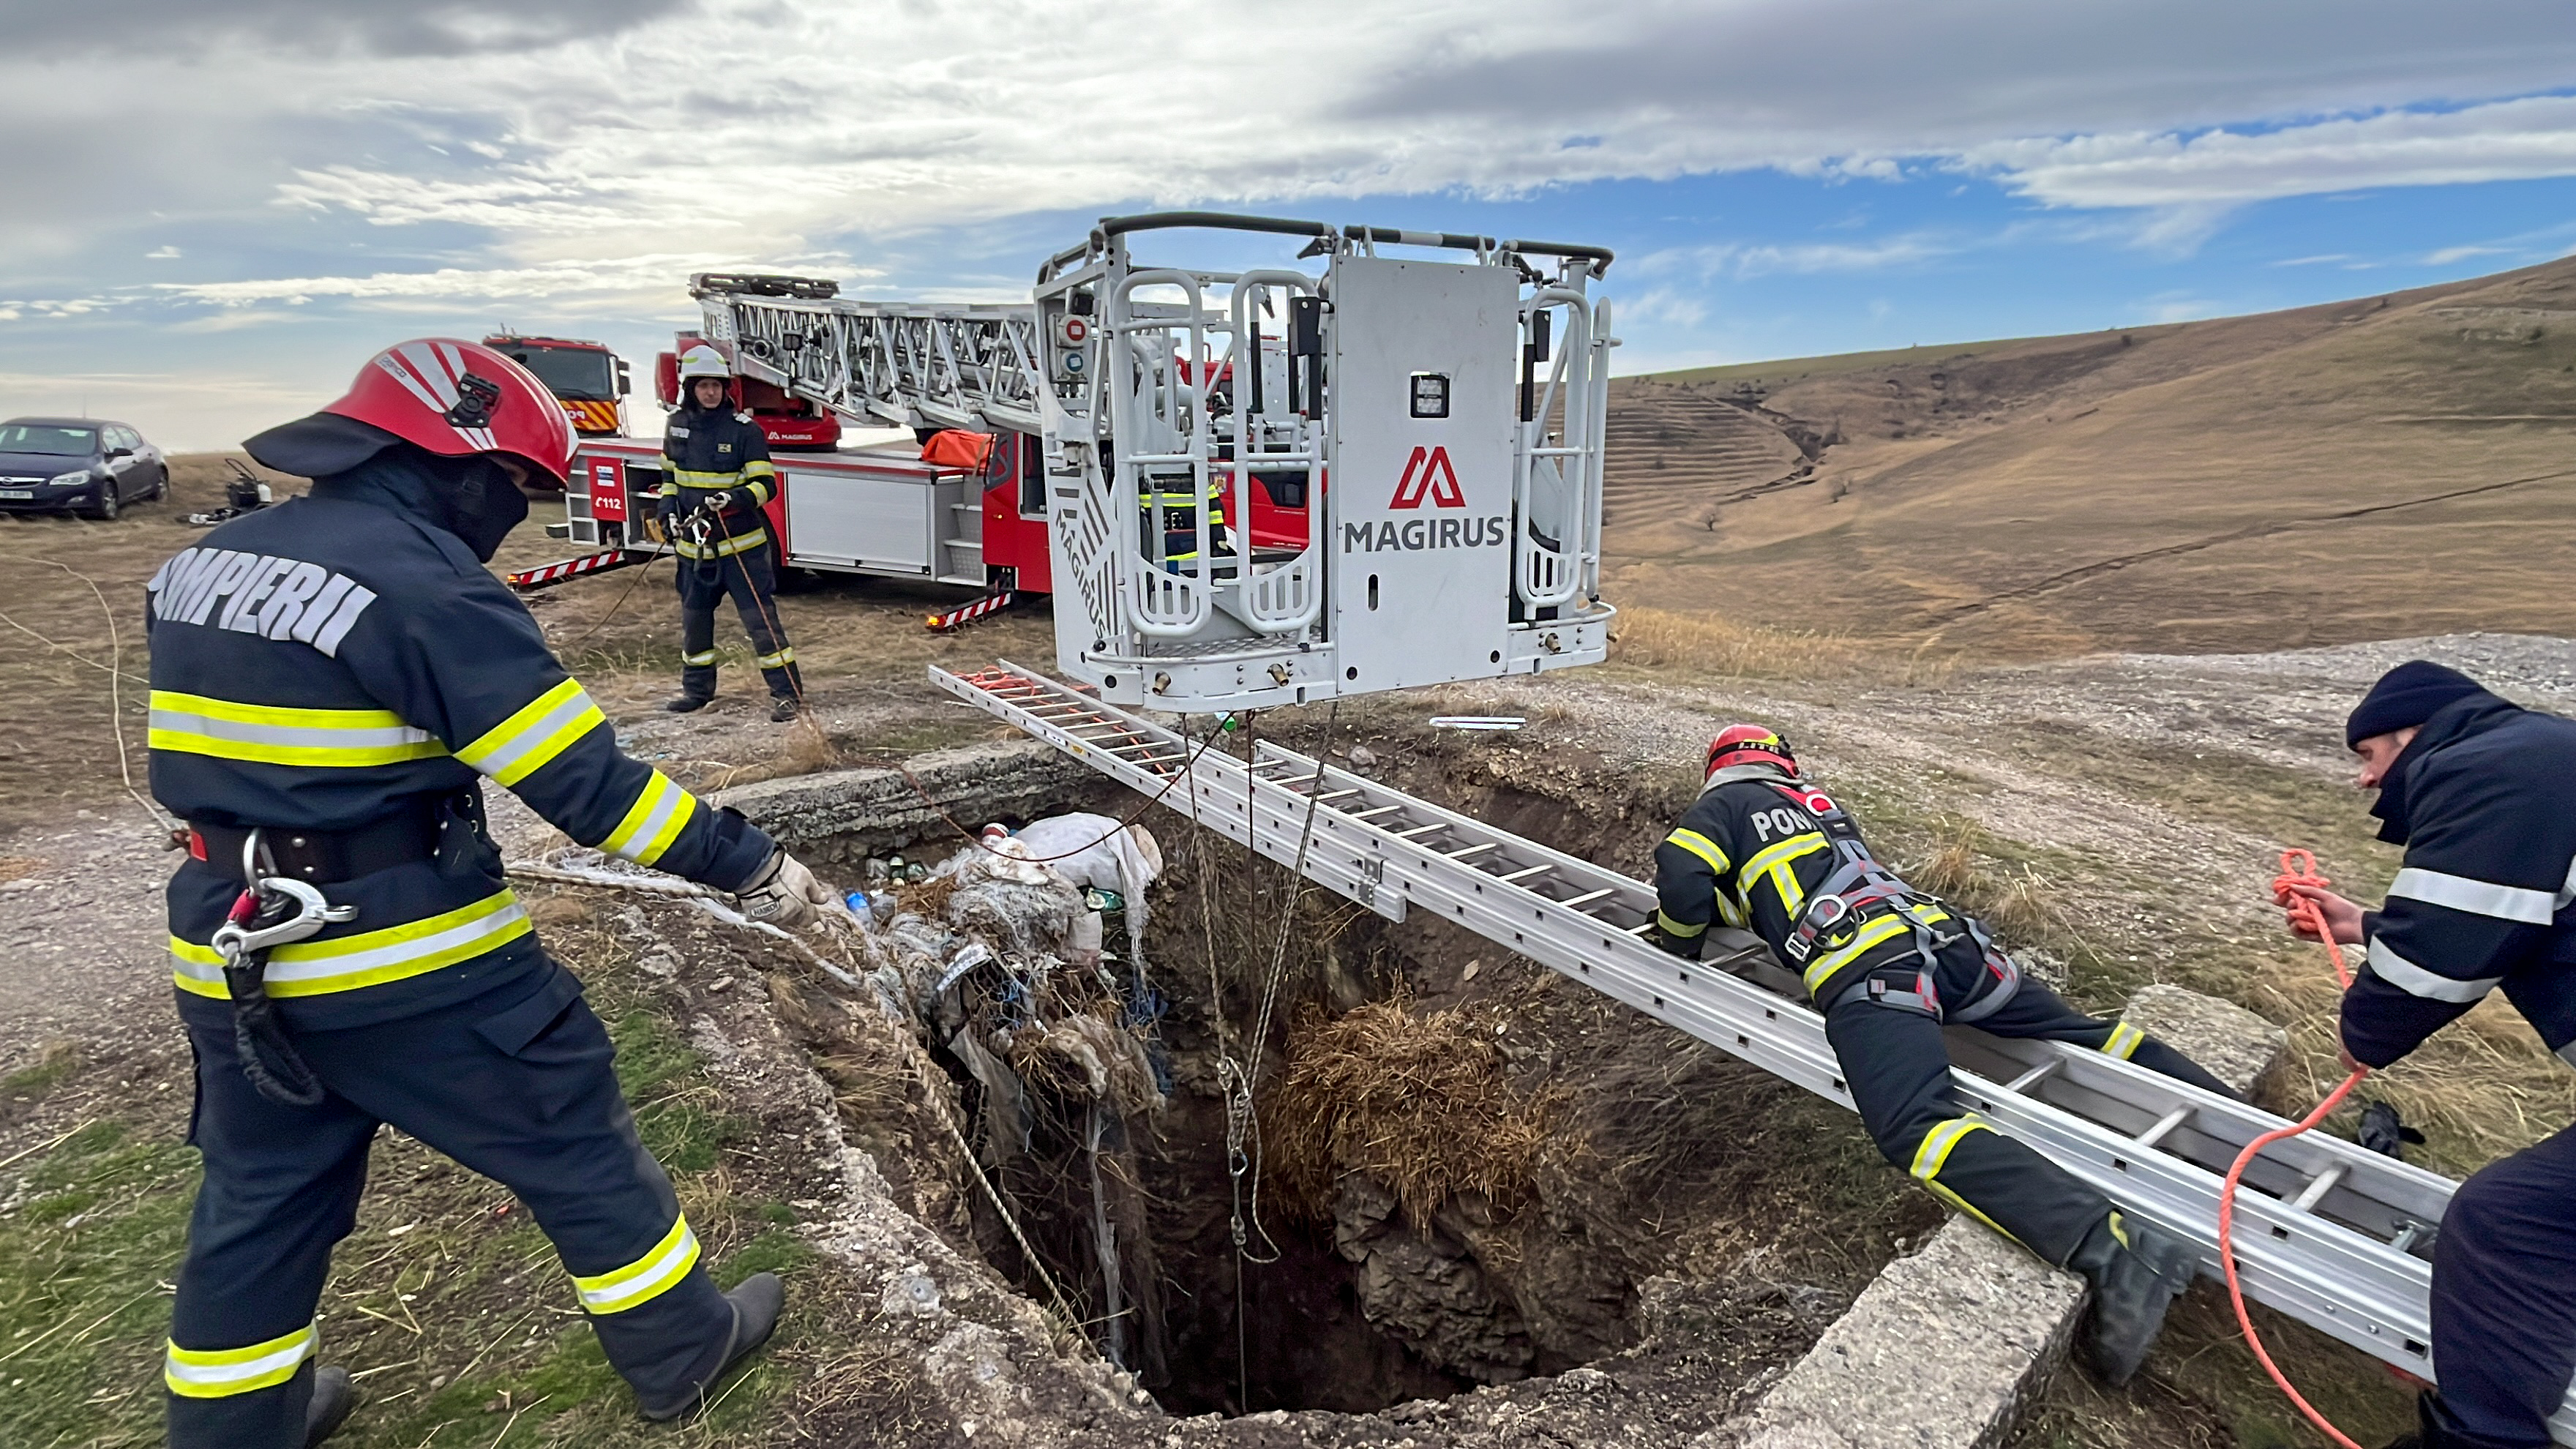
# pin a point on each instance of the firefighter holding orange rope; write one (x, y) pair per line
(2482, 793)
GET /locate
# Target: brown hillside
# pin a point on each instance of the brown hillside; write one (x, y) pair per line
(2389, 466)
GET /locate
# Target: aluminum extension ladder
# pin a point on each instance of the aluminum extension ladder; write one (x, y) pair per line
(2330, 1234)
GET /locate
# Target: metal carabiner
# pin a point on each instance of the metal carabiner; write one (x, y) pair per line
(236, 938)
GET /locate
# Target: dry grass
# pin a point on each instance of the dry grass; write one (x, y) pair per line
(1706, 645)
(1417, 1100)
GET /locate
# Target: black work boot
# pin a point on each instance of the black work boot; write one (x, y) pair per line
(333, 1398)
(687, 702)
(782, 709)
(2137, 1272)
(756, 1303)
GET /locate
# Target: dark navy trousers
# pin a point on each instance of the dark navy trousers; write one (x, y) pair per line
(521, 1089)
(2504, 1297)
(1898, 1068)
(751, 579)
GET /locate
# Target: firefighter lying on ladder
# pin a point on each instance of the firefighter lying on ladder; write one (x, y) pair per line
(1763, 851)
(718, 478)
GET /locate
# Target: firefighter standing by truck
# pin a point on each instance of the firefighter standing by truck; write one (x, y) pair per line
(332, 680)
(2482, 793)
(717, 478)
(1888, 965)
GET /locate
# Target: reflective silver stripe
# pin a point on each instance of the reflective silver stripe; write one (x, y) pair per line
(2414, 980)
(221, 1373)
(2477, 897)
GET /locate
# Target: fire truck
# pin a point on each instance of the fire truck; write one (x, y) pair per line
(589, 380)
(1392, 436)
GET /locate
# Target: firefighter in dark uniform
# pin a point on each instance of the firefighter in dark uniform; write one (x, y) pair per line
(1764, 851)
(2482, 793)
(1170, 509)
(717, 477)
(332, 681)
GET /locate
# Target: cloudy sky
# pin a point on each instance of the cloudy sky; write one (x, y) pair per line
(212, 210)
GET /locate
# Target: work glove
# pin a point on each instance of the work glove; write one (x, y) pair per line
(785, 894)
(737, 499)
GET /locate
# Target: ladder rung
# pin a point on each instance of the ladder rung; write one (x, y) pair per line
(1272, 764)
(1586, 898)
(1336, 794)
(1527, 870)
(1373, 810)
(1641, 928)
(1464, 852)
(1421, 830)
(2164, 1124)
(2323, 1183)
(2035, 1075)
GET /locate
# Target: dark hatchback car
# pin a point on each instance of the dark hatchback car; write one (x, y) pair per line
(89, 464)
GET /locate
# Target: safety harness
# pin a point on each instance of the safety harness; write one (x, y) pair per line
(1862, 903)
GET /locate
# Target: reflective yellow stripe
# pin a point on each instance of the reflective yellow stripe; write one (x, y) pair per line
(1821, 970)
(1701, 846)
(197, 969)
(759, 468)
(1934, 1154)
(1681, 929)
(2124, 1040)
(370, 958)
(194, 724)
(652, 823)
(699, 661)
(519, 746)
(644, 1279)
(779, 660)
(762, 489)
(691, 478)
(1773, 864)
(200, 1373)
(726, 547)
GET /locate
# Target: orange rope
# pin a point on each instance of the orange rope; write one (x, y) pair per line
(2298, 867)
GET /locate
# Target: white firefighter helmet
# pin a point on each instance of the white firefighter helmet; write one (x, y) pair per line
(702, 360)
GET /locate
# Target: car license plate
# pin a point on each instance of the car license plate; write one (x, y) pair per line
(17, 492)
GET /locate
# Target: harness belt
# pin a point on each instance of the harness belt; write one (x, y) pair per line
(326, 857)
(1860, 894)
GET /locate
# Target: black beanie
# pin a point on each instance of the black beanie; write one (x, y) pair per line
(2404, 697)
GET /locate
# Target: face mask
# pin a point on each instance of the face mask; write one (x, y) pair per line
(481, 503)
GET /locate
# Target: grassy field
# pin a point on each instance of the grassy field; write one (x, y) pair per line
(2240, 484)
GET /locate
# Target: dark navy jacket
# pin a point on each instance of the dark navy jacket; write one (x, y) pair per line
(1748, 853)
(2484, 800)
(341, 659)
(709, 450)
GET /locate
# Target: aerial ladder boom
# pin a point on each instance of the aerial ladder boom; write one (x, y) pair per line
(881, 364)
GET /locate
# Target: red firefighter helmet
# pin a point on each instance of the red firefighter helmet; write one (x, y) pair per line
(1750, 744)
(441, 394)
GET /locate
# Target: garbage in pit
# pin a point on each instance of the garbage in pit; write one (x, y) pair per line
(997, 954)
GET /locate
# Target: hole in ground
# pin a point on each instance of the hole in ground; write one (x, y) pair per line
(1659, 1159)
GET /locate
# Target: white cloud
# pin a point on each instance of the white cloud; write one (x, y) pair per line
(2447, 255)
(163, 253)
(2501, 141)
